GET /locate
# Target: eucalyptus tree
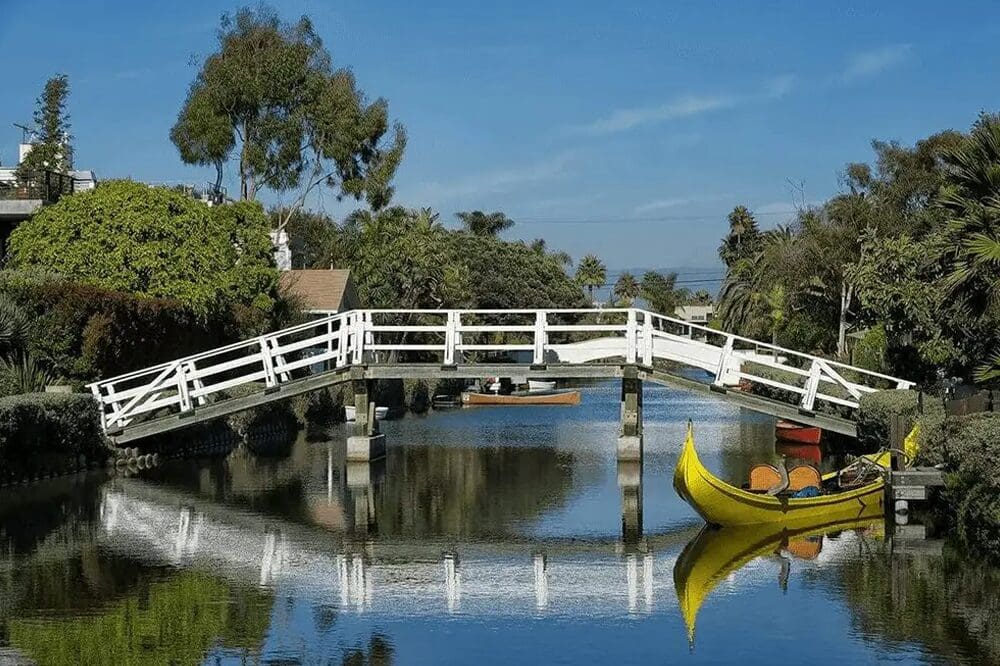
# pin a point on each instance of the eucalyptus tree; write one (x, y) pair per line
(271, 95)
(627, 288)
(591, 273)
(484, 224)
(52, 150)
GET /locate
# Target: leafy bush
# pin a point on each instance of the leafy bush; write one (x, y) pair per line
(82, 332)
(876, 411)
(279, 413)
(870, 351)
(37, 427)
(969, 447)
(153, 241)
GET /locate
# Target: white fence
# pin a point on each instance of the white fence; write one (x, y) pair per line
(465, 337)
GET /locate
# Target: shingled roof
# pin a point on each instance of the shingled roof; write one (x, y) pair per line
(321, 290)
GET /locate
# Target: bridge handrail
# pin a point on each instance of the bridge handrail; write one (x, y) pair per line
(355, 337)
(768, 345)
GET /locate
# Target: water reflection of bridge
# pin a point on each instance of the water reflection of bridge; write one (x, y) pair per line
(158, 526)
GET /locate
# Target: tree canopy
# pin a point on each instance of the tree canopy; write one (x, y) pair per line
(153, 241)
(271, 93)
(484, 224)
(405, 258)
(909, 248)
(52, 149)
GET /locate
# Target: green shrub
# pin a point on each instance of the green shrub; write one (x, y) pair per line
(10, 383)
(321, 407)
(969, 447)
(876, 411)
(280, 413)
(155, 242)
(417, 395)
(82, 332)
(870, 351)
(36, 428)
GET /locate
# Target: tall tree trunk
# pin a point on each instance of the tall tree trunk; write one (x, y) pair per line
(846, 294)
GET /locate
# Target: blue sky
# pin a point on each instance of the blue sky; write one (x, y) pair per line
(624, 129)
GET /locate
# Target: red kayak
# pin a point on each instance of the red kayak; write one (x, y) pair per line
(787, 431)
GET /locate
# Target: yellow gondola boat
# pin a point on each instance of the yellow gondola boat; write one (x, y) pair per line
(724, 505)
(714, 554)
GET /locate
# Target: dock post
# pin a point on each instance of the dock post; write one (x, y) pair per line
(630, 436)
(367, 443)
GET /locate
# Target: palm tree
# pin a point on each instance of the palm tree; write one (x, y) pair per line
(591, 273)
(742, 298)
(13, 326)
(971, 197)
(660, 292)
(743, 237)
(484, 224)
(627, 288)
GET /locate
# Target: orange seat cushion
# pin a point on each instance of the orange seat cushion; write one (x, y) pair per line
(804, 476)
(764, 477)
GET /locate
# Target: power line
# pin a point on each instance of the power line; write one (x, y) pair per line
(638, 220)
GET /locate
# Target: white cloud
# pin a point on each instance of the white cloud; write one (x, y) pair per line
(869, 63)
(674, 202)
(682, 107)
(660, 204)
(496, 181)
(626, 119)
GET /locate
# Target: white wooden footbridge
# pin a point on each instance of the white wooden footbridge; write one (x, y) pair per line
(367, 345)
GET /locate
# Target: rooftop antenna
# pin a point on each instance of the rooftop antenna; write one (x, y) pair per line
(26, 132)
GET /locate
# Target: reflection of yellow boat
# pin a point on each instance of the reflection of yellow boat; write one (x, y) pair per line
(715, 553)
(722, 504)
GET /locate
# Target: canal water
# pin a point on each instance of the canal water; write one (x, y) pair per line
(487, 536)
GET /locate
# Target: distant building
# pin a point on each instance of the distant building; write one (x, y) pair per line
(321, 291)
(695, 314)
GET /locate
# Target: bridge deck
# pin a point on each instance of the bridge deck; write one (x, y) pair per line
(545, 344)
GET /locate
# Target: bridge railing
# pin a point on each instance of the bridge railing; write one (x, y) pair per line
(464, 337)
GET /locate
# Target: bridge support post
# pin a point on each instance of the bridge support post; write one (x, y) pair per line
(363, 480)
(367, 443)
(630, 483)
(630, 436)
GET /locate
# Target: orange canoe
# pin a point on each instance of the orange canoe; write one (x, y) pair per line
(567, 397)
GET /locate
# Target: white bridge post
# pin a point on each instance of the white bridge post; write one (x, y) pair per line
(812, 385)
(450, 338)
(538, 358)
(631, 334)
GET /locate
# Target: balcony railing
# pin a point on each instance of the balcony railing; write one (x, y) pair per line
(46, 186)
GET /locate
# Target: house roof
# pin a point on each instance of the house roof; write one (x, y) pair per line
(321, 290)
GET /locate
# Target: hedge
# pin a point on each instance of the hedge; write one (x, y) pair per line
(40, 430)
(876, 412)
(969, 448)
(83, 332)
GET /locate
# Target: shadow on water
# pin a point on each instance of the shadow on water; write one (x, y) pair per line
(492, 536)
